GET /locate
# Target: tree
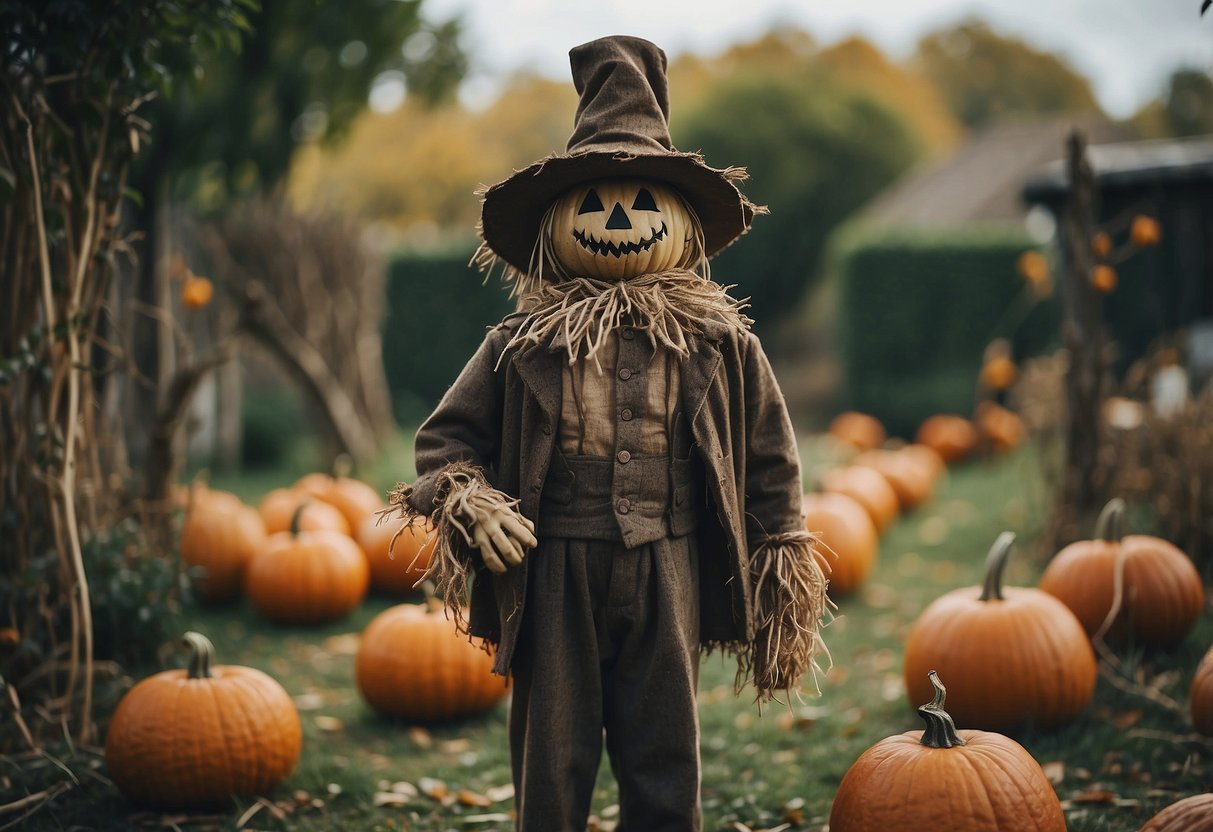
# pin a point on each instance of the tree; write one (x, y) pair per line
(76, 80)
(304, 74)
(985, 77)
(814, 153)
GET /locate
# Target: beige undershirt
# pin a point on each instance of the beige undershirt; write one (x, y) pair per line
(588, 414)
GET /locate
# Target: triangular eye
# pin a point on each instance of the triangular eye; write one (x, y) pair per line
(590, 204)
(644, 201)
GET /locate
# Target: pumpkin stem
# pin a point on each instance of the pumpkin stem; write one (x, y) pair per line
(202, 653)
(297, 518)
(996, 562)
(941, 730)
(343, 464)
(1110, 525)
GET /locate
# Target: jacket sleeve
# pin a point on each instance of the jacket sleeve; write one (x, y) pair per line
(455, 449)
(772, 472)
(464, 429)
(787, 571)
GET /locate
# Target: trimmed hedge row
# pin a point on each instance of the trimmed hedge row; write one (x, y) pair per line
(438, 311)
(917, 309)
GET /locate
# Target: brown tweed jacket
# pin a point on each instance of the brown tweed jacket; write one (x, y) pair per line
(502, 416)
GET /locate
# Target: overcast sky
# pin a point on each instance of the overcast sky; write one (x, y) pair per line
(1126, 47)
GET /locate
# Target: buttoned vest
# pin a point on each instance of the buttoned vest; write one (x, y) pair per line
(622, 469)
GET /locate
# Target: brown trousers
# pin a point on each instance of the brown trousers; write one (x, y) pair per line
(610, 643)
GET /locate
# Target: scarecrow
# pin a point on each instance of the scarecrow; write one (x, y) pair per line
(614, 472)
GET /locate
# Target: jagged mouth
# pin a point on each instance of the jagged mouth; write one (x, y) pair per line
(589, 243)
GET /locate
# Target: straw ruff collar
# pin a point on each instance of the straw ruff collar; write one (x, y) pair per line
(578, 315)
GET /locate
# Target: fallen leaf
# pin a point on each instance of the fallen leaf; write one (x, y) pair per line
(345, 644)
(309, 701)
(390, 799)
(433, 789)
(1127, 719)
(783, 758)
(456, 746)
(1055, 771)
(467, 797)
(1094, 796)
(500, 793)
(328, 724)
(420, 737)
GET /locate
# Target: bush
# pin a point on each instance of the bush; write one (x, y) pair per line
(437, 314)
(917, 309)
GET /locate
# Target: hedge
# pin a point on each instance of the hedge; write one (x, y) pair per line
(438, 311)
(916, 311)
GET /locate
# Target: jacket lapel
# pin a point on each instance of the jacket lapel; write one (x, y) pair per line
(699, 369)
(540, 370)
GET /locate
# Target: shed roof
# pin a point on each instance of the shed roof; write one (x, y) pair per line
(1131, 164)
(982, 181)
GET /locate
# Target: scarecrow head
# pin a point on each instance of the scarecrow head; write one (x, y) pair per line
(621, 201)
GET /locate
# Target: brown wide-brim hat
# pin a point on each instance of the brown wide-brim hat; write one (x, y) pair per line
(621, 129)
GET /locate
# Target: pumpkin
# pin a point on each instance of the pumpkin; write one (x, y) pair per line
(279, 506)
(952, 437)
(1200, 696)
(220, 535)
(196, 292)
(412, 663)
(868, 488)
(191, 739)
(353, 498)
(613, 229)
(1192, 814)
(1104, 278)
(1001, 429)
(912, 480)
(1012, 655)
(946, 780)
(845, 529)
(933, 463)
(396, 567)
(858, 430)
(307, 577)
(1145, 231)
(1161, 592)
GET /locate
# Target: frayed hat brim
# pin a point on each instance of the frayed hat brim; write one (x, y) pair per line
(513, 209)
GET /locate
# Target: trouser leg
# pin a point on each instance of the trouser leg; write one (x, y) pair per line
(649, 686)
(556, 712)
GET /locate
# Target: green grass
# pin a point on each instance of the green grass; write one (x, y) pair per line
(763, 770)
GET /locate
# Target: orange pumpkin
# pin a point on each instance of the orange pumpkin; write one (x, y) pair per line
(912, 481)
(1161, 595)
(396, 571)
(413, 664)
(613, 229)
(1145, 231)
(1192, 814)
(1012, 655)
(846, 530)
(946, 780)
(191, 739)
(1001, 429)
(353, 498)
(858, 430)
(307, 577)
(196, 292)
(952, 437)
(220, 535)
(278, 507)
(1200, 696)
(868, 488)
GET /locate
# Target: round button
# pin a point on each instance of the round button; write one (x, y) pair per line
(625, 374)
(626, 414)
(624, 506)
(624, 457)
(627, 333)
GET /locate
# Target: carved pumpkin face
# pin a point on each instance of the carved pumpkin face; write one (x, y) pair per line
(614, 229)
